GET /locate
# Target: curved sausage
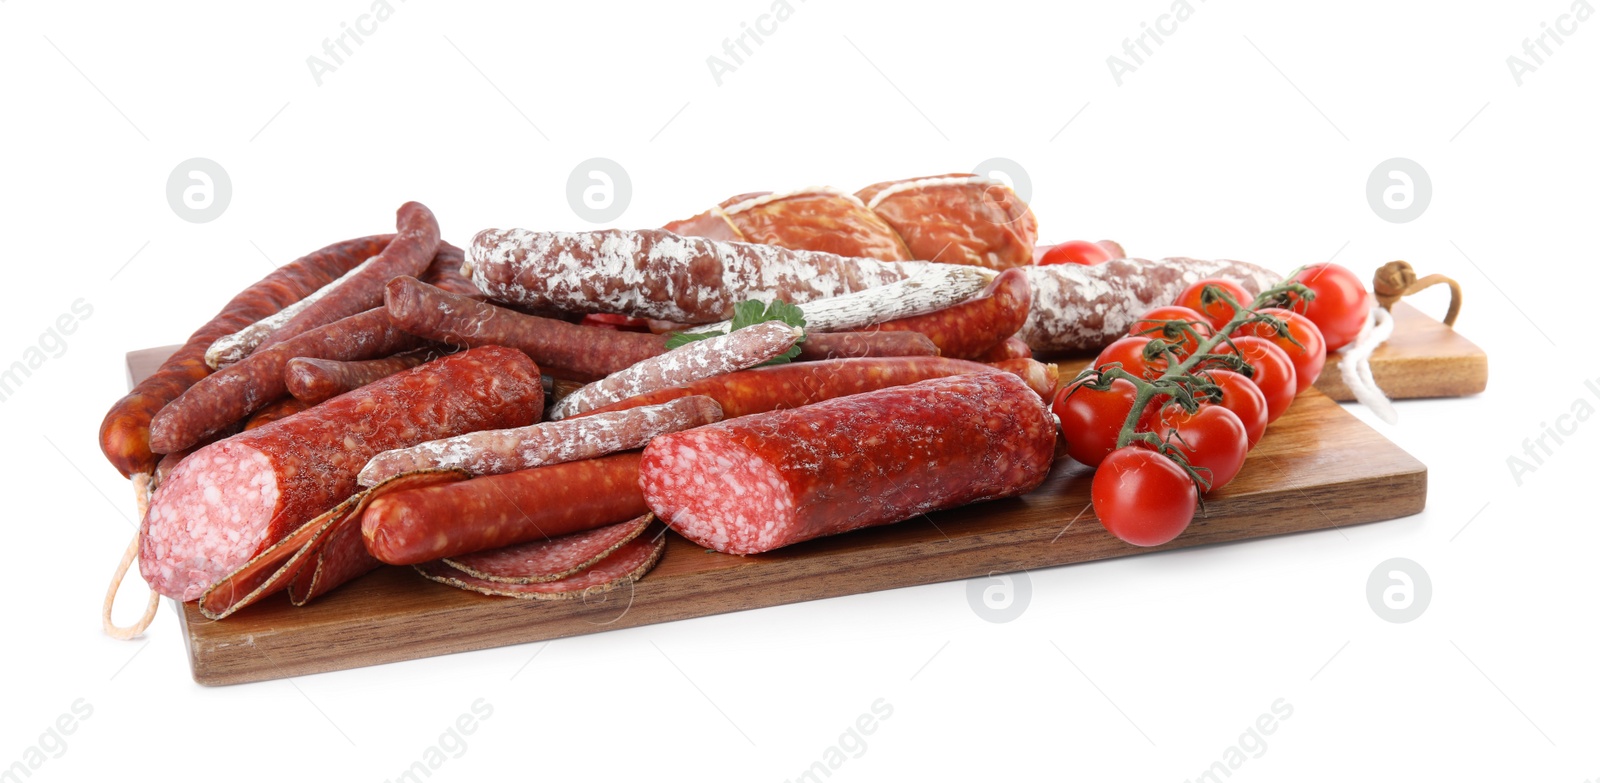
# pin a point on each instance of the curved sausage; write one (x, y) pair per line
(125, 431)
(411, 252)
(445, 271)
(232, 393)
(558, 347)
(967, 330)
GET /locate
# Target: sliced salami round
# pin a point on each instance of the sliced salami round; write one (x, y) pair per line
(552, 559)
(624, 566)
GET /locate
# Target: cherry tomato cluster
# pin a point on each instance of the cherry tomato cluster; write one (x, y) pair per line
(1170, 411)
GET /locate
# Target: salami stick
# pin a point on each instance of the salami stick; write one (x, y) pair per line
(313, 380)
(410, 253)
(489, 512)
(967, 330)
(754, 484)
(503, 451)
(282, 409)
(231, 348)
(658, 274)
(229, 501)
(739, 350)
(125, 431)
(930, 287)
(799, 384)
(234, 392)
(453, 319)
(1011, 348)
(1078, 308)
(862, 345)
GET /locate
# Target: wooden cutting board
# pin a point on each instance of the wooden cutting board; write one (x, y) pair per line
(1424, 358)
(1317, 467)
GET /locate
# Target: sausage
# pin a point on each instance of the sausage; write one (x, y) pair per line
(1084, 308)
(798, 384)
(625, 566)
(738, 350)
(861, 345)
(926, 289)
(548, 560)
(967, 330)
(762, 482)
(453, 319)
(821, 219)
(502, 451)
(957, 219)
(229, 349)
(657, 274)
(412, 250)
(313, 380)
(445, 271)
(232, 393)
(316, 549)
(489, 512)
(232, 499)
(284, 408)
(1011, 348)
(125, 431)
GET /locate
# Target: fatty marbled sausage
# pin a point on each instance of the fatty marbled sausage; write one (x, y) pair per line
(754, 484)
(232, 499)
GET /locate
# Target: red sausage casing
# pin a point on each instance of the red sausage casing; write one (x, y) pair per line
(757, 483)
(232, 499)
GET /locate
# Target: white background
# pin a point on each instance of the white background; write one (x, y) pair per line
(1250, 134)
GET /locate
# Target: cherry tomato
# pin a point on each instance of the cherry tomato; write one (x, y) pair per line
(1340, 306)
(1219, 313)
(1129, 352)
(1092, 420)
(1274, 373)
(1075, 252)
(1142, 497)
(1212, 438)
(1245, 400)
(1150, 325)
(1308, 357)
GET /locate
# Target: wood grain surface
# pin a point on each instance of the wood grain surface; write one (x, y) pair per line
(1424, 358)
(1317, 467)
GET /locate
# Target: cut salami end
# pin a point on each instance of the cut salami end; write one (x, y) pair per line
(550, 560)
(226, 493)
(757, 483)
(625, 566)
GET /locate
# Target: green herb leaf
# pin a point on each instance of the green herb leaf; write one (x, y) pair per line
(749, 313)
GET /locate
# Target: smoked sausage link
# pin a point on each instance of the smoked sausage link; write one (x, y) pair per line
(125, 431)
(489, 512)
(758, 483)
(230, 500)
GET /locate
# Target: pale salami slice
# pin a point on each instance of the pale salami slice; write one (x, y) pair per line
(738, 350)
(625, 566)
(1081, 308)
(491, 452)
(755, 484)
(547, 561)
(655, 273)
